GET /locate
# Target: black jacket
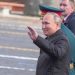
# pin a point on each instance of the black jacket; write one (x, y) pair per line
(70, 22)
(54, 55)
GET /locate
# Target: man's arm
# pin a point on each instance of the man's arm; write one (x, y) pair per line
(58, 49)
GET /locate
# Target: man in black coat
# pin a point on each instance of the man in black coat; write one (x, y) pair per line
(69, 13)
(54, 55)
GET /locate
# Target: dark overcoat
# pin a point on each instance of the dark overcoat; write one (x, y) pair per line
(70, 22)
(54, 55)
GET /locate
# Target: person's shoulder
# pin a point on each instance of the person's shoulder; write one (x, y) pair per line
(62, 35)
(71, 19)
(72, 15)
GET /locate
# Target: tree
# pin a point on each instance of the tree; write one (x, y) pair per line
(31, 7)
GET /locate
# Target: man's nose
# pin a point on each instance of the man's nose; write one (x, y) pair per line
(43, 26)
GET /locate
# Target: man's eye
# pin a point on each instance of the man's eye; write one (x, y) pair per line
(63, 5)
(45, 23)
(60, 4)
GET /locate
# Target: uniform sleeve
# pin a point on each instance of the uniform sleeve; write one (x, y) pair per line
(58, 49)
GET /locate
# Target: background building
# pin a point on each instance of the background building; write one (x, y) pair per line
(29, 7)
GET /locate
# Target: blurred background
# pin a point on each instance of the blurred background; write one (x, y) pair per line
(24, 7)
(18, 54)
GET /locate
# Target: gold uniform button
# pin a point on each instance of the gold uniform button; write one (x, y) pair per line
(71, 66)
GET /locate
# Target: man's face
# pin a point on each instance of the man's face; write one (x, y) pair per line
(48, 25)
(66, 6)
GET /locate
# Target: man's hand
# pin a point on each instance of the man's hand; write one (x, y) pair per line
(32, 33)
